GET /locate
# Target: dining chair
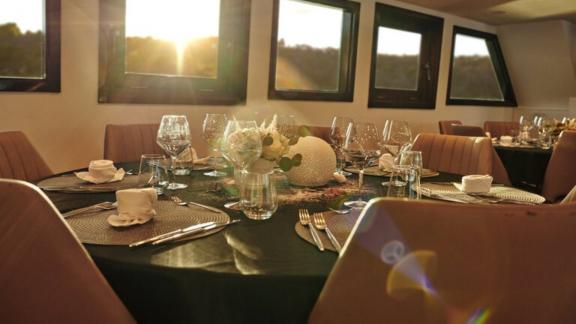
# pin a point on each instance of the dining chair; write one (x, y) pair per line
(431, 262)
(466, 130)
(570, 197)
(126, 143)
(46, 275)
(445, 125)
(455, 154)
(19, 159)
(560, 174)
(500, 128)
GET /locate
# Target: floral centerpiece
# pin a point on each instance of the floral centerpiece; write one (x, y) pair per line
(275, 147)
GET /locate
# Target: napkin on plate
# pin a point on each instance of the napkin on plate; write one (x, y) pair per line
(475, 184)
(135, 206)
(386, 162)
(101, 171)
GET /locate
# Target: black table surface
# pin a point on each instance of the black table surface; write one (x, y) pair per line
(251, 272)
(526, 166)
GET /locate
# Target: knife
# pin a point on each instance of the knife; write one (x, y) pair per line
(210, 208)
(195, 231)
(178, 231)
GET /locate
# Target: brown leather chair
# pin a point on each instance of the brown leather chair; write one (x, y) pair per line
(19, 159)
(125, 143)
(499, 128)
(455, 154)
(560, 175)
(445, 126)
(429, 262)
(46, 275)
(466, 130)
(570, 197)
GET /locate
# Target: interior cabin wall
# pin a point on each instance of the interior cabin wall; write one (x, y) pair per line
(68, 127)
(541, 59)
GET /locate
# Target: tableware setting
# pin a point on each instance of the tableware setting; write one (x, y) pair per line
(332, 229)
(101, 171)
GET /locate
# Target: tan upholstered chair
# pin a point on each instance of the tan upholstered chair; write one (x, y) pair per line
(570, 197)
(560, 175)
(46, 276)
(19, 159)
(445, 126)
(466, 130)
(499, 128)
(125, 143)
(455, 154)
(321, 132)
(428, 262)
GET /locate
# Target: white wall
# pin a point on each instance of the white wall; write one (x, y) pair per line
(68, 128)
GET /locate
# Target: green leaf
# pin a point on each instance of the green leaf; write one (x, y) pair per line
(303, 131)
(285, 163)
(297, 160)
(267, 141)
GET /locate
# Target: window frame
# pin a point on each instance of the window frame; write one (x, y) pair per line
(497, 59)
(348, 48)
(431, 29)
(229, 88)
(51, 80)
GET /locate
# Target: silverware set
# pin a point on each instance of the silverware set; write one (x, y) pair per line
(180, 202)
(106, 205)
(318, 222)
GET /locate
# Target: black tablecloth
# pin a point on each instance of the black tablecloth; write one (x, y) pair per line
(525, 166)
(252, 272)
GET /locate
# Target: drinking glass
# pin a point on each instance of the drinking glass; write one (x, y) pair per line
(396, 136)
(405, 177)
(212, 132)
(241, 146)
(174, 137)
(259, 198)
(337, 137)
(361, 147)
(151, 173)
(545, 127)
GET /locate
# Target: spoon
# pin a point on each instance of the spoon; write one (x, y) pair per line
(345, 210)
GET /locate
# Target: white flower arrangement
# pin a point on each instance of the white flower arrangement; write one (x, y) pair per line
(275, 146)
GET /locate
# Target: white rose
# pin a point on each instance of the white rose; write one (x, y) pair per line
(277, 149)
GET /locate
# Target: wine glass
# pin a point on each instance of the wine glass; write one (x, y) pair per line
(396, 137)
(212, 132)
(361, 147)
(337, 137)
(241, 146)
(545, 127)
(174, 137)
(286, 125)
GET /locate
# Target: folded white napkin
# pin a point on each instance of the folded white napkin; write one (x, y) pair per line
(190, 155)
(386, 162)
(101, 171)
(475, 184)
(135, 206)
(340, 178)
(506, 140)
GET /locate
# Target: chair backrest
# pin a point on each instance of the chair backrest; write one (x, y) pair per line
(455, 154)
(466, 130)
(570, 197)
(560, 175)
(46, 276)
(19, 159)
(427, 262)
(499, 128)
(125, 143)
(321, 132)
(445, 126)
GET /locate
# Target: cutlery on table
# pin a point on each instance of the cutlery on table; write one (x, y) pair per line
(320, 223)
(165, 235)
(305, 221)
(107, 205)
(180, 202)
(192, 232)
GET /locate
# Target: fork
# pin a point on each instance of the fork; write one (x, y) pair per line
(106, 205)
(320, 223)
(305, 221)
(180, 202)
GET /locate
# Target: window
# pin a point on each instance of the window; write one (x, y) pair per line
(478, 74)
(405, 58)
(313, 53)
(173, 51)
(30, 45)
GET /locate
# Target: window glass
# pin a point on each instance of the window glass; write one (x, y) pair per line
(398, 61)
(308, 49)
(172, 37)
(473, 74)
(22, 38)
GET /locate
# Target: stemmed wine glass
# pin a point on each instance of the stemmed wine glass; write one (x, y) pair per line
(361, 147)
(396, 136)
(241, 146)
(212, 132)
(286, 125)
(337, 137)
(174, 137)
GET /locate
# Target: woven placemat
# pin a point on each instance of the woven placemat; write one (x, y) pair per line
(376, 171)
(501, 194)
(70, 183)
(93, 228)
(339, 225)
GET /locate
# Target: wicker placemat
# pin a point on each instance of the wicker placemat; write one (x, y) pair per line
(376, 171)
(340, 225)
(70, 183)
(93, 228)
(497, 194)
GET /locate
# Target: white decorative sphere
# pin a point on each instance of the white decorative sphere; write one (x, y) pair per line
(318, 162)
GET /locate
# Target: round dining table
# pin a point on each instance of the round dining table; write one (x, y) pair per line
(250, 272)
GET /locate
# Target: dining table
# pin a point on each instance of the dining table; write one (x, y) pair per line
(526, 165)
(255, 271)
